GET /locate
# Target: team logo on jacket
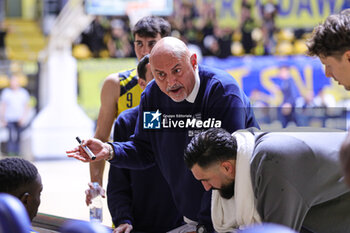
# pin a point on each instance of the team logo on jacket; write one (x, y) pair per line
(151, 119)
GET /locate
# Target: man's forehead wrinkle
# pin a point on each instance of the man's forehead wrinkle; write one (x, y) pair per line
(161, 51)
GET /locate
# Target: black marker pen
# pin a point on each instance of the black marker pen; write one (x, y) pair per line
(86, 149)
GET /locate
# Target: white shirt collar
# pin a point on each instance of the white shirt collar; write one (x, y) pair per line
(192, 97)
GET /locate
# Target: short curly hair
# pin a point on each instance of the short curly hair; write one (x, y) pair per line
(209, 147)
(332, 38)
(15, 173)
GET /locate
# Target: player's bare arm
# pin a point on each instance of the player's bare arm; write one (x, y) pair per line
(110, 93)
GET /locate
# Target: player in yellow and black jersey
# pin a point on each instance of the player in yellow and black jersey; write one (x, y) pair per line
(130, 91)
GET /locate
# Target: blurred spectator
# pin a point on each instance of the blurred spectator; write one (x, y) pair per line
(290, 94)
(188, 30)
(260, 102)
(184, 20)
(14, 110)
(207, 19)
(324, 99)
(119, 41)
(219, 44)
(318, 108)
(198, 25)
(3, 32)
(224, 36)
(211, 45)
(305, 108)
(269, 11)
(247, 25)
(94, 35)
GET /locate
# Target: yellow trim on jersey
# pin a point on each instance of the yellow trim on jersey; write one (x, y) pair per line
(131, 98)
(124, 81)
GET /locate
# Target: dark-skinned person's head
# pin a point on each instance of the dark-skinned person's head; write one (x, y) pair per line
(21, 179)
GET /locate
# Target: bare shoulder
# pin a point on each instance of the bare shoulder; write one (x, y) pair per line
(111, 88)
(112, 79)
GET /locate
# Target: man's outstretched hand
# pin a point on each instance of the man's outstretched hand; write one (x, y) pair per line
(100, 150)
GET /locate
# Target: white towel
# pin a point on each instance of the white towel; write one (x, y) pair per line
(228, 215)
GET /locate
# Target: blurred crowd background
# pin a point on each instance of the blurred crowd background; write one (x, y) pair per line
(254, 31)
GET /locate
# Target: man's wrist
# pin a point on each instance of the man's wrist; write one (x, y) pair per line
(111, 151)
(126, 221)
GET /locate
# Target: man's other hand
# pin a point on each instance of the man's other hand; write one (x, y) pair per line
(123, 228)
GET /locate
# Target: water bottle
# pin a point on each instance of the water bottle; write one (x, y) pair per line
(96, 205)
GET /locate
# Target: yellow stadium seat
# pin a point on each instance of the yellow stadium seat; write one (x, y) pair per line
(104, 53)
(81, 51)
(284, 48)
(300, 47)
(285, 35)
(237, 36)
(259, 49)
(237, 48)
